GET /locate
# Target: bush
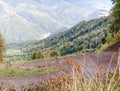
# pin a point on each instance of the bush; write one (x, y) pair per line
(117, 35)
(109, 38)
(2, 48)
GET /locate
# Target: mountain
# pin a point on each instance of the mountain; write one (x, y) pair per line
(89, 34)
(23, 20)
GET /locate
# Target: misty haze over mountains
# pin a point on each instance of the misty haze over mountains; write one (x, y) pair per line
(22, 20)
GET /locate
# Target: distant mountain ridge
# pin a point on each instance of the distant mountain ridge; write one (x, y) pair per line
(22, 20)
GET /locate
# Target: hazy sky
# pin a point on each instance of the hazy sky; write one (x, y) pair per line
(92, 4)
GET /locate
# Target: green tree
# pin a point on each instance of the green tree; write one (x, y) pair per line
(2, 48)
(115, 17)
(34, 55)
(55, 54)
(39, 54)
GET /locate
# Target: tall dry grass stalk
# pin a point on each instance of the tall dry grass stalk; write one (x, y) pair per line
(115, 79)
(119, 61)
(108, 69)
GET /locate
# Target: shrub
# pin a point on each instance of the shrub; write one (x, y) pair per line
(2, 48)
(109, 38)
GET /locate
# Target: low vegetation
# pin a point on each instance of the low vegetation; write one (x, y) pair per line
(75, 81)
(11, 72)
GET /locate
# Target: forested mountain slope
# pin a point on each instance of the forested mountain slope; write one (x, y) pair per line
(87, 34)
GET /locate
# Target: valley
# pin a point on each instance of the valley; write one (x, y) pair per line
(59, 45)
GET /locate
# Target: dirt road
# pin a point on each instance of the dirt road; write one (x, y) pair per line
(90, 61)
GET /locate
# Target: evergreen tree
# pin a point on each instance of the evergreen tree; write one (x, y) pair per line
(2, 48)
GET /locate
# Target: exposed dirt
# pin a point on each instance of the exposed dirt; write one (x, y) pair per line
(89, 62)
(37, 64)
(114, 47)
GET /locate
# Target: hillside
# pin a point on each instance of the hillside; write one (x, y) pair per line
(88, 34)
(114, 47)
(21, 20)
(59, 45)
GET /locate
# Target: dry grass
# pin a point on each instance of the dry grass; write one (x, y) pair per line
(76, 82)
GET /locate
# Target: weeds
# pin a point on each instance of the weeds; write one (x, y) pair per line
(77, 82)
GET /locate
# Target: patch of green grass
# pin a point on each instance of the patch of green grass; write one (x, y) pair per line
(25, 72)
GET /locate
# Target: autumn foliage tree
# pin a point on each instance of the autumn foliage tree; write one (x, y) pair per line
(47, 53)
(2, 48)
